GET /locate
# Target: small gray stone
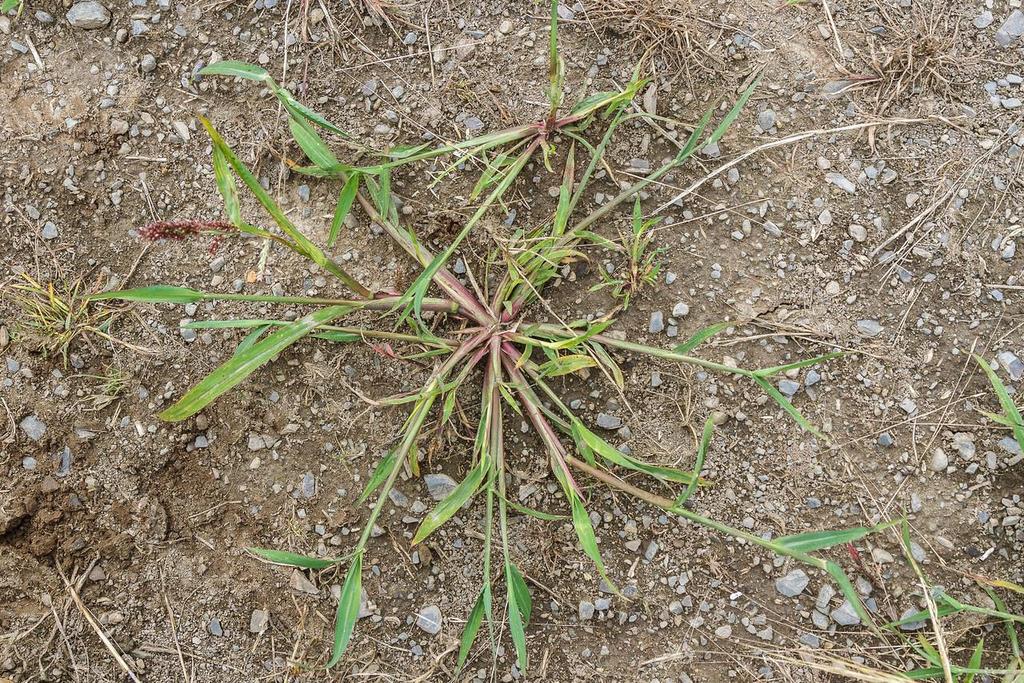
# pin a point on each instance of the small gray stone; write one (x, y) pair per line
(841, 181)
(869, 328)
(657, 323)
(586, 609)
(885, 440)
(680, 310)
(793, 583)
(858, 232)
(439, 485)
(766, 120)
(49, 231)
(256, 442)
(789, 387)
(939, 461)
(845, 615)
(88, 15)
(606, 421)
(429, 619)
(215, 627)
(33, 427)
(308, 485)
(259, 620)
(148, 64)
(1012, 364)
(650, 551)
(983, 20)
(723, 631)
(812, 378)
(1011, 29)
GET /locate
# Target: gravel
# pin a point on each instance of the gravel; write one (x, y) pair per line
(606, 421)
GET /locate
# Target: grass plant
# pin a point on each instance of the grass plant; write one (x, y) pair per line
(489, 339)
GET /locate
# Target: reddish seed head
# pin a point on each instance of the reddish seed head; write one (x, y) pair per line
(179, 230)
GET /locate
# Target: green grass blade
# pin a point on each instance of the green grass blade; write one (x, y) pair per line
(238, 367)
(293, 559)
(302, 244)
(788, 407)
(811, 541)
(345, 199)
(546, 516)
(236, 69)
(476, 616)
(520, 592)
(156, 294)
(776, 369)
(227, 187)
(556, 67)
(312, 145)
(1009, 407)
(250, 339)
(975, 663)
(701, 336)
(585, 534)
(380, 474)
(516, 626)
(698, 465)
(850, 593)
(348, 610)
(588, 440)
(453, 502)
(727, 122)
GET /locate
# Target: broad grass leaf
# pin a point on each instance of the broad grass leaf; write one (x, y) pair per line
(236, 69)
(293, 559)
(819, 540)
(452, 503)
(345, 198)
(469, 631)
(701, 336)
(1009, 407)
(312, 145)
(585, 534)
(787, 406)
(157, 294)
(348, 610)
(380, 474)
(240, 366)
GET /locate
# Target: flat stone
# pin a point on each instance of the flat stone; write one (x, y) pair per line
(845, 615)
(606, 421)
(428, 619)
(259, 621)
(842, 182)
(299, 582)
(983, 20)
(1011, 29)
(793, 583)
(33, 427)
(680, 310)
(869, 328)
(439, 485)
(657, 322)
(88, 15)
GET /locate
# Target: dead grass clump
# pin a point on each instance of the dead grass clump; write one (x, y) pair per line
(913, 51)
(669, 29)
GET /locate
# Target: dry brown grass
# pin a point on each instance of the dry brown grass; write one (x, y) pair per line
(912, 51)
(670, 29)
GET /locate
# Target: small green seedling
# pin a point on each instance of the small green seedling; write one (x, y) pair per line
(643, 265)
